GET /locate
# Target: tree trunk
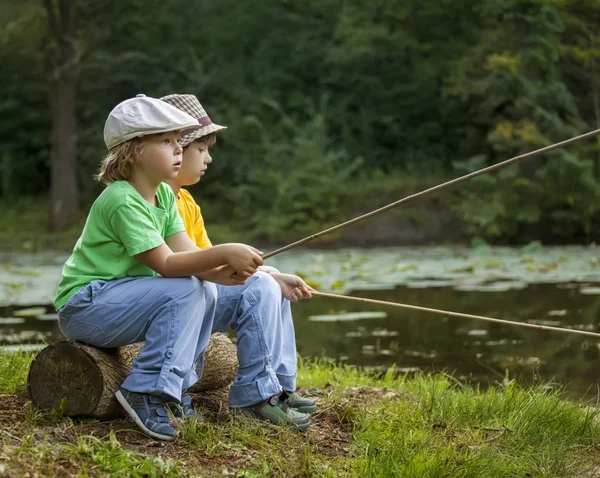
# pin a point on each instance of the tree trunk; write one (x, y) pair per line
(64, 73)
(82, 380)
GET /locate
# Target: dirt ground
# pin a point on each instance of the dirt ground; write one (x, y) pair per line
(329, 436)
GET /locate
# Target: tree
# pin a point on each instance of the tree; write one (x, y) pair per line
(64, 63)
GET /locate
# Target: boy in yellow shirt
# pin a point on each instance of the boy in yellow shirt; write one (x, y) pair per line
(259, 311)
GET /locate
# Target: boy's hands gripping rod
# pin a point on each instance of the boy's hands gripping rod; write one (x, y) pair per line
(243, 259)
(479, 172)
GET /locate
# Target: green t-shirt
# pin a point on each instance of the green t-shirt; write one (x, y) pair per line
(120, 225)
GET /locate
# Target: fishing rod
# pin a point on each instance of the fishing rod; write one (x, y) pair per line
(456, 314)
(479, 172)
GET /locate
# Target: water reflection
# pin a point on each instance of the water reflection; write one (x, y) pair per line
(475, 350)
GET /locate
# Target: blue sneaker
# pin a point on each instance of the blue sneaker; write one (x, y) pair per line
(184, 409)
(148, 412)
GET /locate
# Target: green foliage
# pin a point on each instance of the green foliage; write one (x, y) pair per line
(309, 88)
(522, 101)
(296, 184)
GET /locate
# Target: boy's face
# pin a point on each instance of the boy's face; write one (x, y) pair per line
(196, 159)
(161, 158)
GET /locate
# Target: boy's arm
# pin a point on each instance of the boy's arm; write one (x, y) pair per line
(222, 274)
(196, 232)
(134, 228)
(186, 261)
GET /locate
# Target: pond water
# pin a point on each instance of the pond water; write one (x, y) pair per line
(547, 286)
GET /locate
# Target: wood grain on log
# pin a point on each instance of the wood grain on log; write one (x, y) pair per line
(85, 378)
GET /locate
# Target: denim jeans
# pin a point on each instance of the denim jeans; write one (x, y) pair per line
(174, 316)
(266, 344)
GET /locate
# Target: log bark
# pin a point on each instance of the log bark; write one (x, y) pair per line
(82, 380)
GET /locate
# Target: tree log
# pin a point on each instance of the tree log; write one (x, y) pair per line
(85, 378)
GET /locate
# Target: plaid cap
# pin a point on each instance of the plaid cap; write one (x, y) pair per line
(190, 105)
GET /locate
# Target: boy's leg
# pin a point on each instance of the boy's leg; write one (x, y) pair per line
(253, 310)
(232, 306)
(165, 312)
(209, 297)
(286, 369)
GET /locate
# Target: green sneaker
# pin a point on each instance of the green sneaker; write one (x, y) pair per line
(276, 411)
(303, 405)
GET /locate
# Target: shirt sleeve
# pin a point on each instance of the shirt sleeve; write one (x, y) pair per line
(135, 229)
(202, 240)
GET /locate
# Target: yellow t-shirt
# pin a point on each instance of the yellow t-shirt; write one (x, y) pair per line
(192, 219)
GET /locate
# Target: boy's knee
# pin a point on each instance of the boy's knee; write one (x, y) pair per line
(186, 287)
(210, 291)
(266, 285)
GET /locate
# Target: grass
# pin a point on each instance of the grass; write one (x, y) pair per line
(454, 431)
(368, 426)
(89, 456)
(14, 368)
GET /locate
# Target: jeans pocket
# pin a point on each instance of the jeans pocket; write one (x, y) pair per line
(74, 321)
(83, 331)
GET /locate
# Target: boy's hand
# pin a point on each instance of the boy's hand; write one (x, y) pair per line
(243, 259)
(224, 275)
(293, 287)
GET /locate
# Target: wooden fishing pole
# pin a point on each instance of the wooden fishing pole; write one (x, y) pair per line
(456, 314)
(489, 169)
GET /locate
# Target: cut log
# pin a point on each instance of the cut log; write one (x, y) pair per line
(82, 380)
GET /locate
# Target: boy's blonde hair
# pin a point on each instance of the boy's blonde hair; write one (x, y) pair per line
(117, 164)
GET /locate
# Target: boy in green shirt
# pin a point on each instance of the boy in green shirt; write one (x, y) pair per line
(110, 293)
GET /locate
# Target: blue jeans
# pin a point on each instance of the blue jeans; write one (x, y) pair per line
(266, 343)
(174, 316)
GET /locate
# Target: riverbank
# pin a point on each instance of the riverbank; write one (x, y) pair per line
(366, 426)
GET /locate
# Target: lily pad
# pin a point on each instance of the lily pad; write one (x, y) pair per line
(385, 333)
(590, 290)
(348, 316)
(339, 284)
(501, 286)
(48, 317)
(25, 272)
(557, 313)
(407, 267)
(424, 284)
(11, 320)
(551, 323)
(30, 312)
(314, 285)
(477, 332)
(466, 269)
